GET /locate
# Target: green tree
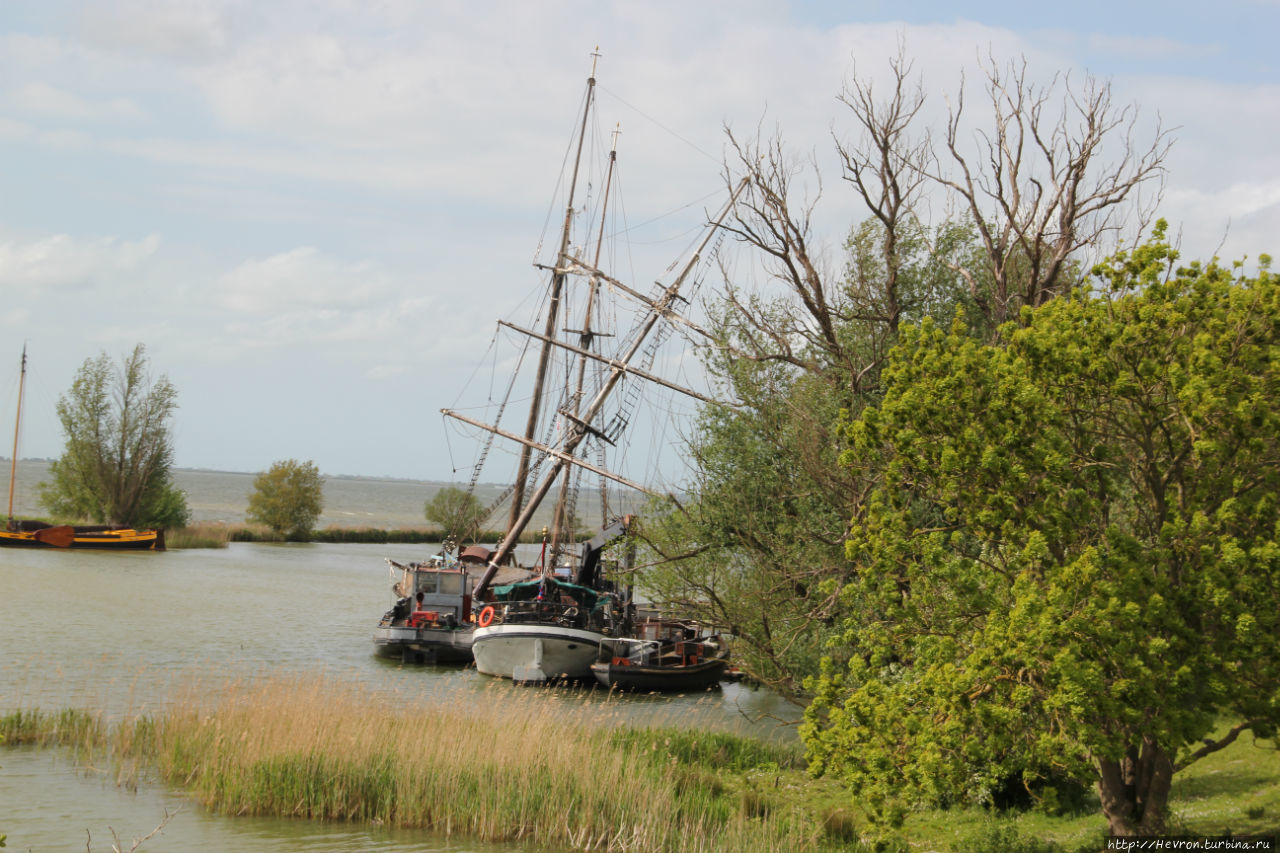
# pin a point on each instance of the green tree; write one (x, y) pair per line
(457, 511)
(288, 498)
(116, 466)
(1067, 558)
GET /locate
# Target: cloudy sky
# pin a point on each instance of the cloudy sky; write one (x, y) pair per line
(311, 212)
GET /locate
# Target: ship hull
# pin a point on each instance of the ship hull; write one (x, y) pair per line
(535, 653)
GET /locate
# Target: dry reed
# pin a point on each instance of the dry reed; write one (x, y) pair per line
(206, 534)
(534, 766)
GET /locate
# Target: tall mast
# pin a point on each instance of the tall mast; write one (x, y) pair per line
(585, 338)
(553, 309)
(17, 425)
(579, 430)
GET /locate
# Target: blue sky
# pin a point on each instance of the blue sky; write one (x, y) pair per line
(312, 212)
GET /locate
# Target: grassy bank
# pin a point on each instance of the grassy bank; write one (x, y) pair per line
(545, 767)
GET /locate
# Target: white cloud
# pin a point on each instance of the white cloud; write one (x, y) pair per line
(60, 261)
(1147, 48)
(43, 99)
(303, 299)
(174, 30)
(298, 278)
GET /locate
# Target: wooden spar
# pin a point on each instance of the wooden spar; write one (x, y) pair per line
(553, 308)
(625, 368)
(576, 435)
(578, 266)
(551, 451)
(17, 425)
(584, 338)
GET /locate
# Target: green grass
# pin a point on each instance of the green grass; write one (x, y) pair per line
(69, 727)
(218, 534)
(1234, 791)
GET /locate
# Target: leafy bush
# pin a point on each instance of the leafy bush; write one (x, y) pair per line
(288, 498)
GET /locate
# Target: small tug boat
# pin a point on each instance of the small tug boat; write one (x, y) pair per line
(430, 621)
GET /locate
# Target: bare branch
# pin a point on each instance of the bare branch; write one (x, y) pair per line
(1044, 191)
(887, 168)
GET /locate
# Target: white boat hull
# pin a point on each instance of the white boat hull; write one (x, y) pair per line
(525, 652)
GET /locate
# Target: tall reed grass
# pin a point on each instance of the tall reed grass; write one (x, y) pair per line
(71, 727)
(531, 766)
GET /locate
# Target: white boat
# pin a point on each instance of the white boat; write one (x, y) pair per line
(551, 628)
(544, 630)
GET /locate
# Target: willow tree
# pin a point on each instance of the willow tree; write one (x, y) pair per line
(1069, 561)
(116, 466)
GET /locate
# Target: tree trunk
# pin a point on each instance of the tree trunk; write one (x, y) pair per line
(1135, 789)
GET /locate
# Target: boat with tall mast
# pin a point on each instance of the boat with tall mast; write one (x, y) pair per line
(40, 534)
(550, 626)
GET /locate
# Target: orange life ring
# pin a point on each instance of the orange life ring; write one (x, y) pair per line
(486, 616)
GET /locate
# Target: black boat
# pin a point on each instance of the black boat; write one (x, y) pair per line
(665, 657)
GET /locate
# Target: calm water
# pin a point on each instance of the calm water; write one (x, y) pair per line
(117, 631)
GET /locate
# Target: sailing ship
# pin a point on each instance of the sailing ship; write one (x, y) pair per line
(549, 627)
(39, 534)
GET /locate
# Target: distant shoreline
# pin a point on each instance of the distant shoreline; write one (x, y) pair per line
(373, 477)
(352, 502)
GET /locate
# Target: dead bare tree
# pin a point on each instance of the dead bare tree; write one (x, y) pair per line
(1040, 188)
(887, 166)
(887, 169)
(768, 218)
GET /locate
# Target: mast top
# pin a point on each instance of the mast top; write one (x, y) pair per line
(595, 57)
